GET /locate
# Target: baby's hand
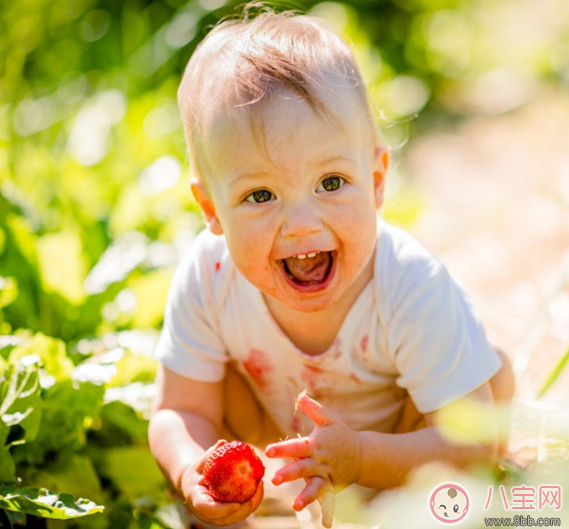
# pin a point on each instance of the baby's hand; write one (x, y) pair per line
(200, 502)
(329, 459)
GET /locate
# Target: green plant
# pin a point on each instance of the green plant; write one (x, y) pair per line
(95, 212)
(76, 430)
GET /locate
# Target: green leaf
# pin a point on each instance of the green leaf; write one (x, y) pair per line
(7, 467)
(132, 469)
(46, 504)
(20, 398)
(68, 410)
(554, 375)
(120, 422)
(133, 367)
(8, 290)
(20, 411)
(73, 473)
(51, 351)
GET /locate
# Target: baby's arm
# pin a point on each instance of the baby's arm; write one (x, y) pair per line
(184, 429)
(448, 437)
(333, 456)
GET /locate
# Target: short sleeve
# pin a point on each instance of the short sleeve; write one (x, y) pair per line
(436, 342)
(190, 343)
(441, 350)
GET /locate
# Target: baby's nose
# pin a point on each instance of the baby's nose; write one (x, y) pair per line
(301, 221)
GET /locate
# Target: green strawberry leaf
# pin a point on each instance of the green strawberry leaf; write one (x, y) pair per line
(122, 424)
(69, 407)
(46, 504)
(20, 401)
(70, 472)
(52, 352)
(132, 469)
(20, 411)
(7, 467)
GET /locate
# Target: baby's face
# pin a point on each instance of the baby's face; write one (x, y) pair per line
(297, 199)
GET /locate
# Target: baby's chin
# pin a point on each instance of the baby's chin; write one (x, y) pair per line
(310, 307)
(298, 303)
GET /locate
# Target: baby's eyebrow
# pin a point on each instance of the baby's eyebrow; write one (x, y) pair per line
(244, 177)
(335, 158)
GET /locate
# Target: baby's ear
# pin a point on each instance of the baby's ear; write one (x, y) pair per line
(381, 164)
(207, 206)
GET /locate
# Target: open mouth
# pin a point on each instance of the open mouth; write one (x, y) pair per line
(309, 272)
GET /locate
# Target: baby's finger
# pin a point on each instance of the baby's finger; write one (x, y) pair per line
(313, 409)
(206, 507)
(238, 516)
(207, 453)
(256, 500)
(327, 503)
(302, 468)
(315, 487)
(295, 448)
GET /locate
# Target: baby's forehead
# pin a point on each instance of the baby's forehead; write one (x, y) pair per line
(338, 107)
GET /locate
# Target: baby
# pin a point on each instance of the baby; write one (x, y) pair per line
(297, 284)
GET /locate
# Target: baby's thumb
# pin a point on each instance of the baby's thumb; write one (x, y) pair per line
(204, 457)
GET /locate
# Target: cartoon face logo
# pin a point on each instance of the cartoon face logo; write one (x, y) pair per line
(449, 503)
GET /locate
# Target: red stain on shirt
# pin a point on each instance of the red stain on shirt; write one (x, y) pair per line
(364, 343)
(259, 368)
(310, 375)
(355, 378)
(217, 266)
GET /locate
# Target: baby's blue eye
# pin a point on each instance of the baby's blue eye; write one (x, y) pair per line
(331, 183)
(260, 196)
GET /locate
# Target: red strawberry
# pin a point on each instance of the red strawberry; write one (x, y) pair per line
(233, 472)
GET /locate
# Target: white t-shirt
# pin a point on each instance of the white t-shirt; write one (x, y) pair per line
(411, 330)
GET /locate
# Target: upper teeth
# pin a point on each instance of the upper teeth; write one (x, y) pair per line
(305, 255)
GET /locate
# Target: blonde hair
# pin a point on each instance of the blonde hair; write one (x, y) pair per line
(242, 62)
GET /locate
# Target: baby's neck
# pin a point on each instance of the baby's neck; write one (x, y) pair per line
(314, 332)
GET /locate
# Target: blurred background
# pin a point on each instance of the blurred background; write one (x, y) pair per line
(95, 210)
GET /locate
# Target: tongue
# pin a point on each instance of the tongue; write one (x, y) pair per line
(309, 270)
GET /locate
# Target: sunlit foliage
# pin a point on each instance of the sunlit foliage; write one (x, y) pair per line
(95, 209)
